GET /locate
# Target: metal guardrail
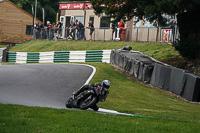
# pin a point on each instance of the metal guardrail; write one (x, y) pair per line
(59, 56)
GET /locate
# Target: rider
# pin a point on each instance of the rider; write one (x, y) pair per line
(104, 86)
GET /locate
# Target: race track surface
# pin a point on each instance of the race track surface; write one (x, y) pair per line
(46, 85)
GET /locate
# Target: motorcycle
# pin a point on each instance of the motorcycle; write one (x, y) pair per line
(86, 99)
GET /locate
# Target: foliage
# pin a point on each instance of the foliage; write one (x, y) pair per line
(150, 9)
(189, 28)
(50, 6)
(153, 11)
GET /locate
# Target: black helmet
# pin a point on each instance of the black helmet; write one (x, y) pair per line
(106, 84)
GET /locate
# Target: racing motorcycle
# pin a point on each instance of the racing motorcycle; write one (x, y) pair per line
(87, 99)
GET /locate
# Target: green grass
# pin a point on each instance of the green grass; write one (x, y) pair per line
(170, 114)
(2, 46)
(20, 119)
(156, 50)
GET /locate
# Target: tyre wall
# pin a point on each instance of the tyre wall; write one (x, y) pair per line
(150, 71)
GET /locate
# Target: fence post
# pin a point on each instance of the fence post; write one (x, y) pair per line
(157, 34)
(94, 34)
(137, 35)
(104, 34)
(41, 34)
(148, 35)
(160, 35)
(33, 34)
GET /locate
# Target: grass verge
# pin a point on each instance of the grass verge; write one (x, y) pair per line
(156, 50)
(171, 114)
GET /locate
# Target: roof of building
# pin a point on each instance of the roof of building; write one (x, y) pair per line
(1, 1)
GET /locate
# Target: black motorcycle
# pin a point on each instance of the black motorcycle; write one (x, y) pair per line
(86, 99)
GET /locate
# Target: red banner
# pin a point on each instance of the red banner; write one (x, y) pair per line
(70, 6)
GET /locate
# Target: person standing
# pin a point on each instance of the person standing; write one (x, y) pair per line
(80, 31)
(72, 32)
(173, 27)
(91, 27)
(121, 26)
(50, 31)
(59, 28)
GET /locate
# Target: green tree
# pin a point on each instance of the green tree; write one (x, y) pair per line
(51, 7)
(153, 10)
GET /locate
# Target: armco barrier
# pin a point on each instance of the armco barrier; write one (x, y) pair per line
(60, 56)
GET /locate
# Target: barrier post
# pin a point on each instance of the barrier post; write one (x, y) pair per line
(123, 34)
(137, 35)
(94, 34)
(148, 36)
(104, 34)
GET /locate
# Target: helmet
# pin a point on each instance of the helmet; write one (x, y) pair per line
(106, 84)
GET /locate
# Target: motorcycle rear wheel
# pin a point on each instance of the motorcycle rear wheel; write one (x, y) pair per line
(87, 103)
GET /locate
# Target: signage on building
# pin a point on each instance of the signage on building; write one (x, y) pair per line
(71, 6)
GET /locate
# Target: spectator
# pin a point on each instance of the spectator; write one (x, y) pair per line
(76, 24)
(59, 27)
(72, 28)
(114, 30)
(42, 32)
(121, 26)
(34, 27)
(91, 27)
(80, 31)
(50, 30)
(56, 31)
(37, 30)
(173, 26)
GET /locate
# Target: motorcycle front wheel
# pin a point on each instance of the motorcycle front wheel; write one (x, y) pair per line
(69, 103)
(88, 102)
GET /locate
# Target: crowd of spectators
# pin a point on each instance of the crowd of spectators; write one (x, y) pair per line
(75, 30)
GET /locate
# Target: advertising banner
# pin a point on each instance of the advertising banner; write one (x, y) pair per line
(71, 6)
(167, 35)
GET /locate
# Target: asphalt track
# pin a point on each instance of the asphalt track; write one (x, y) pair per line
(46, 85)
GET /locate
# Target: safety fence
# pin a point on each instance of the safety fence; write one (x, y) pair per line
(139, 34)
(60, 56)
(150, 71)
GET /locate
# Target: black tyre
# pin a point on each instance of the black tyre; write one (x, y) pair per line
(88, 102)
(69, 103)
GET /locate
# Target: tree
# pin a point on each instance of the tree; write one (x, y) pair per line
(153, 10)
(50, 6)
